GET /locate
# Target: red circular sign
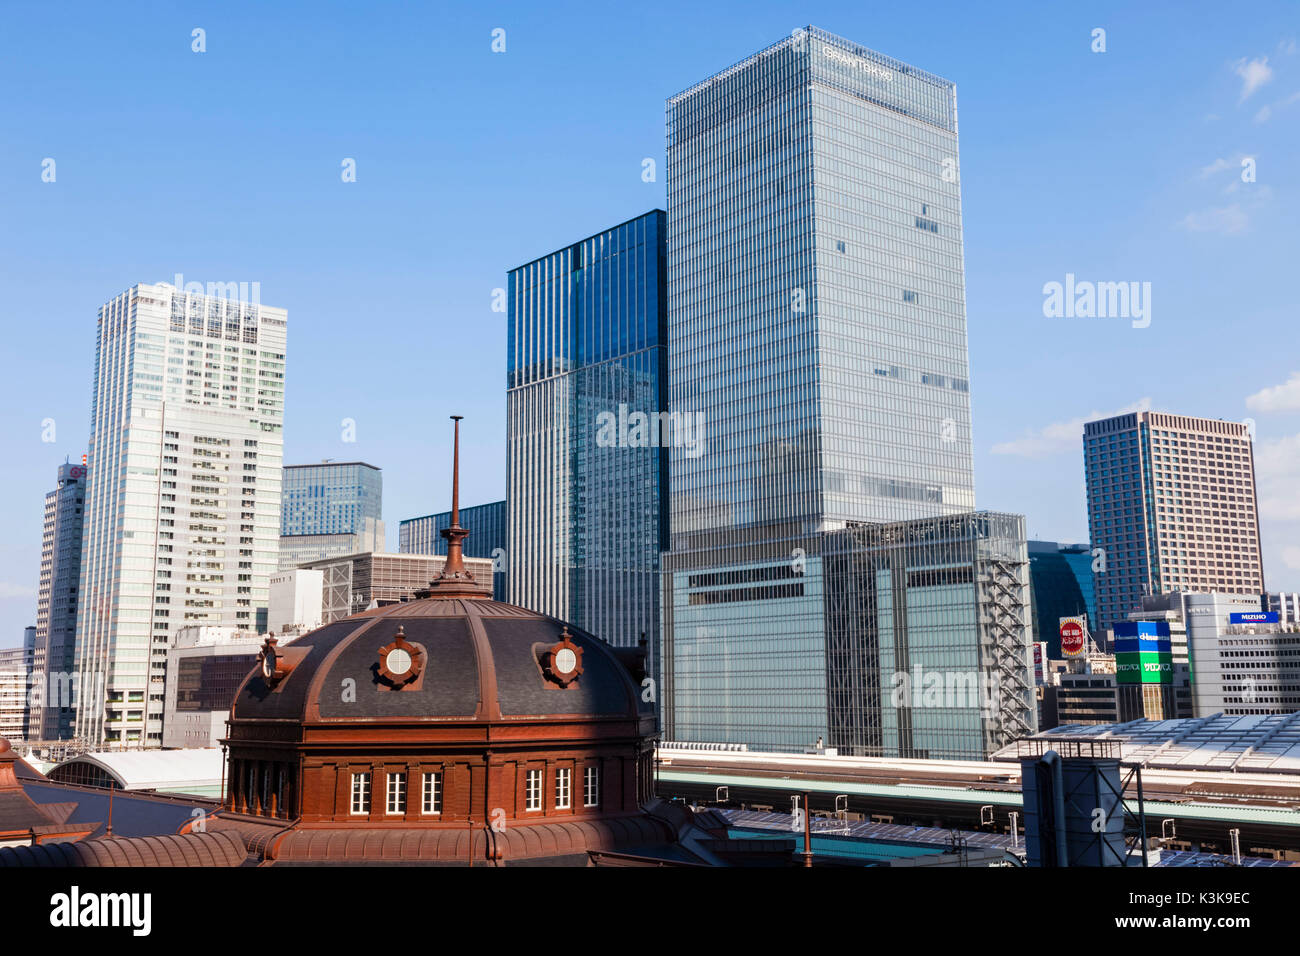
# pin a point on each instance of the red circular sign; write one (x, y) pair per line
(1071, 638)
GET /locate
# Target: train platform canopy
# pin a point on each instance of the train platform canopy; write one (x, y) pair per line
(195, 772)
(1253, 743)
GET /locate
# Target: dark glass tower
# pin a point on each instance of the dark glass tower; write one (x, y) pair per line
(585, 458)
(1060, 580)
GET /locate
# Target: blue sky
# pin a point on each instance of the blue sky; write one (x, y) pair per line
(225, 166)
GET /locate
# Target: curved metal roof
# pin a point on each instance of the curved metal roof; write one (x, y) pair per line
(191, 849)
(483, 664)
(168, 770)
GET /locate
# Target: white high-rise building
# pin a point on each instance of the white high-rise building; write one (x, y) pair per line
(182, 518)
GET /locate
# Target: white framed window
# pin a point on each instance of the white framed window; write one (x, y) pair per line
(591, 787)
(533, 790)
(360, 794)
(396, 793)
(432, 792)
(563, 788)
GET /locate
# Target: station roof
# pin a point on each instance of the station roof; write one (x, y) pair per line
(1255, 743)
(177, 771)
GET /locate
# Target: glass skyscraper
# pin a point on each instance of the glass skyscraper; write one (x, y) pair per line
(56, 605)
(333, 497)
(585, 456)
(486, 525)
(1060, 577)
(817, 332)
(182, 506)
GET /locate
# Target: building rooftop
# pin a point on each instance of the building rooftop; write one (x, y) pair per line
(1251, 743)
(174, 771)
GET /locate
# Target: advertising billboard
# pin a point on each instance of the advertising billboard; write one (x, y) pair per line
(1074, 636)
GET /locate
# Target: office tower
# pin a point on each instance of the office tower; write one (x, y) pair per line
(486, 525)
(1171, 503)
(585, 462)
(51, 712)
(14, 668)
(205, 668)
(1060, 580)
(817, 330)
(927, 637)
(330, 510)
(299, 549)
(1245, 659)
(333, 497)
(356, 582)
(182, 511)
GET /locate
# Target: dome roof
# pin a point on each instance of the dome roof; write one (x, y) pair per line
(479, 660)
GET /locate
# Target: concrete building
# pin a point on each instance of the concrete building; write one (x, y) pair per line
(1244, 659)
(1171, 503)
(56, 604)
(355, 582)
(182, 507)
(817, 332)
(486, 525)
(204, 671)
(296, 600)
(585, 437)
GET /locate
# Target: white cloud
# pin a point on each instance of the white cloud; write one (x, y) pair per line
(8, 590)
(1263, 115)
(1287, 46)
(1219, 165)
(1254, 74)
(1291, 557)
(1277, 398)
(1228, 220)
(1061, 436)
(1277, 475)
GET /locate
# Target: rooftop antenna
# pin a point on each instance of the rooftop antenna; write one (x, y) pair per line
(108, 831)
(454, 581)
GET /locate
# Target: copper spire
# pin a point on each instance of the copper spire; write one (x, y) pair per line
(454, 581)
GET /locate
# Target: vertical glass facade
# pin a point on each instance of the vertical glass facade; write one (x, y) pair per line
(817, 331)
(928, 633)
(586, 466)
(486, 525)
(331, 498)
(182, 506)
(56, 607)
(1060, 577)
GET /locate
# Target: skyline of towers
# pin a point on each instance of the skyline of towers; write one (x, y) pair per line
(818, 338)
(585, 476)
(1172, 504)
(182, 510)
